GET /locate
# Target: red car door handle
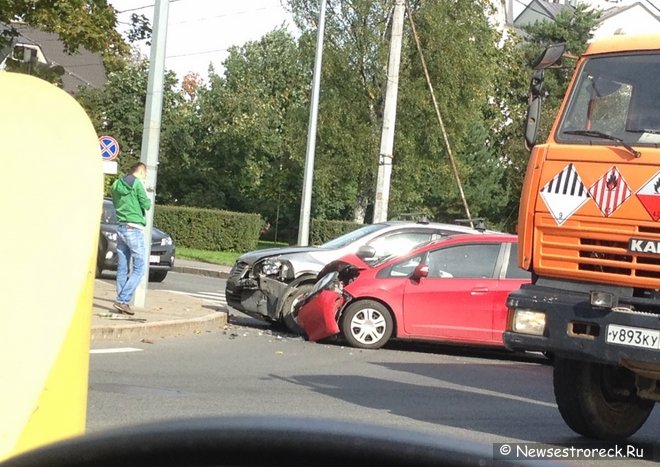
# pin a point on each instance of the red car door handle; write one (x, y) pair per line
(479, 291)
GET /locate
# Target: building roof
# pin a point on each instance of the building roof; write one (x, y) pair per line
(610, 12)
(540, 10)
(82, 68)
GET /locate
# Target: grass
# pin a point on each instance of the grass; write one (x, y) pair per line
(227, 258)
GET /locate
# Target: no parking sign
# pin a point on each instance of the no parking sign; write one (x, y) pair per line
(109, 152)
(109, 148)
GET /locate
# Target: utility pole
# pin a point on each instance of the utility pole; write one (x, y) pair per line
(306, 202)
(152, 121)
(389, 115)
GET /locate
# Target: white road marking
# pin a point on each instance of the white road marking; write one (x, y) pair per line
(215, 295)
(214, 298)
(115, 350)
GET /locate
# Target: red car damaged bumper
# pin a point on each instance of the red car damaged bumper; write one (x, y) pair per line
(318, 317)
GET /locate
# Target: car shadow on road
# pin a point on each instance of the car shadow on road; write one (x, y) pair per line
(442, 403)
(511, 401)
(489, 353)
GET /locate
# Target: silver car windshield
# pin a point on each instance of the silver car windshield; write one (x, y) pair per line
(353, 236)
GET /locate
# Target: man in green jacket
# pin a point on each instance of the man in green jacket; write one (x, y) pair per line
(131, 202)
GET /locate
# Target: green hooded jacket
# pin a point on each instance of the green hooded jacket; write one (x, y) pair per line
(130, 200)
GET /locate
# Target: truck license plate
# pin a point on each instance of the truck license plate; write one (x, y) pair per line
(635, 337)
(154, 259)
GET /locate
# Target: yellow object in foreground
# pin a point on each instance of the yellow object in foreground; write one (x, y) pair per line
(50, 203)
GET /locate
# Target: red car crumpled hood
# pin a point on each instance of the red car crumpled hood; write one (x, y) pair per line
(348, 261)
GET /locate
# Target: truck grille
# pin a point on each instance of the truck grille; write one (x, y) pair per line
(584, 249)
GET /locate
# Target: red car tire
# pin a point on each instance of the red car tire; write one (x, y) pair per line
(367, 324)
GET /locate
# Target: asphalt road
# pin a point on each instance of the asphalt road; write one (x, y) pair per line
(478, 395)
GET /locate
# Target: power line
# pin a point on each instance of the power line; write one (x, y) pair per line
(189, 54)
(224, 15)
(128, 10)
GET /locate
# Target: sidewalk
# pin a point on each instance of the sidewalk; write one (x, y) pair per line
(200, 268)
(166, 313)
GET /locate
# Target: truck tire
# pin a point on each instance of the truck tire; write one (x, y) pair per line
(599, 401)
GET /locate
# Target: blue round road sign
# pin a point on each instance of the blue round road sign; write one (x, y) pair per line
(109, 148)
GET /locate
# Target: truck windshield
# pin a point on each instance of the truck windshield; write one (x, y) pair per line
(616, 100)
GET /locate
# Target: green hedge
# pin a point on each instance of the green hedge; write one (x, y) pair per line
(209, 229)
(323, 230)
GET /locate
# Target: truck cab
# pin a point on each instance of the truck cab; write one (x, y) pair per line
(589, 232)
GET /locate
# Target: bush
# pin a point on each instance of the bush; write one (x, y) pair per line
(324, 230)
(209, 229)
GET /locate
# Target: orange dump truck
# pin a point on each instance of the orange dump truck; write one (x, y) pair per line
(589, 230)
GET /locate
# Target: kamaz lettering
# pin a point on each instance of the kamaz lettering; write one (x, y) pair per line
(644, 246)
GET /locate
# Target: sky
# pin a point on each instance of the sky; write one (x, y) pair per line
(200, 31)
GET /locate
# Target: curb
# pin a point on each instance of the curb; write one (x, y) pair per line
(200, 272)
(156, 329)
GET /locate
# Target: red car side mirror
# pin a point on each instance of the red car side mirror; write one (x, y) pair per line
(422, 270)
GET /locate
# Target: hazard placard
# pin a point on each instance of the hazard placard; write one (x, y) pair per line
(649, 196)
(564, 194)
(610, 191)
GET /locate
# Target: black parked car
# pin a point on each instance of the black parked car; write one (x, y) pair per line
(161, 257)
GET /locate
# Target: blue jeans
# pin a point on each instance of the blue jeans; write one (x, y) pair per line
(130, 246)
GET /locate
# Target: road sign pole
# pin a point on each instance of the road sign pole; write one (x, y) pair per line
(152, 121)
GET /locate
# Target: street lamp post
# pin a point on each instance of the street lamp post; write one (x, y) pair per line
(152, 122)
(305, 205)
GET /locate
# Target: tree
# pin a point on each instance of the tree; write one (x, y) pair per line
(238, 141)
(460, 47)
(253, 116)
(117, 109)
(78, 23)
(512, 78)
(350, 108)
(572, 27)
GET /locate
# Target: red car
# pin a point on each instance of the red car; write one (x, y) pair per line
(450, 290)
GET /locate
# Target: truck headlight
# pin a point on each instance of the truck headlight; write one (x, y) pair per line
(528, 322)
(270, 267)
(603, 299)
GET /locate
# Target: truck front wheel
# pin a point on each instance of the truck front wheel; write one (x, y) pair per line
(599, 401)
